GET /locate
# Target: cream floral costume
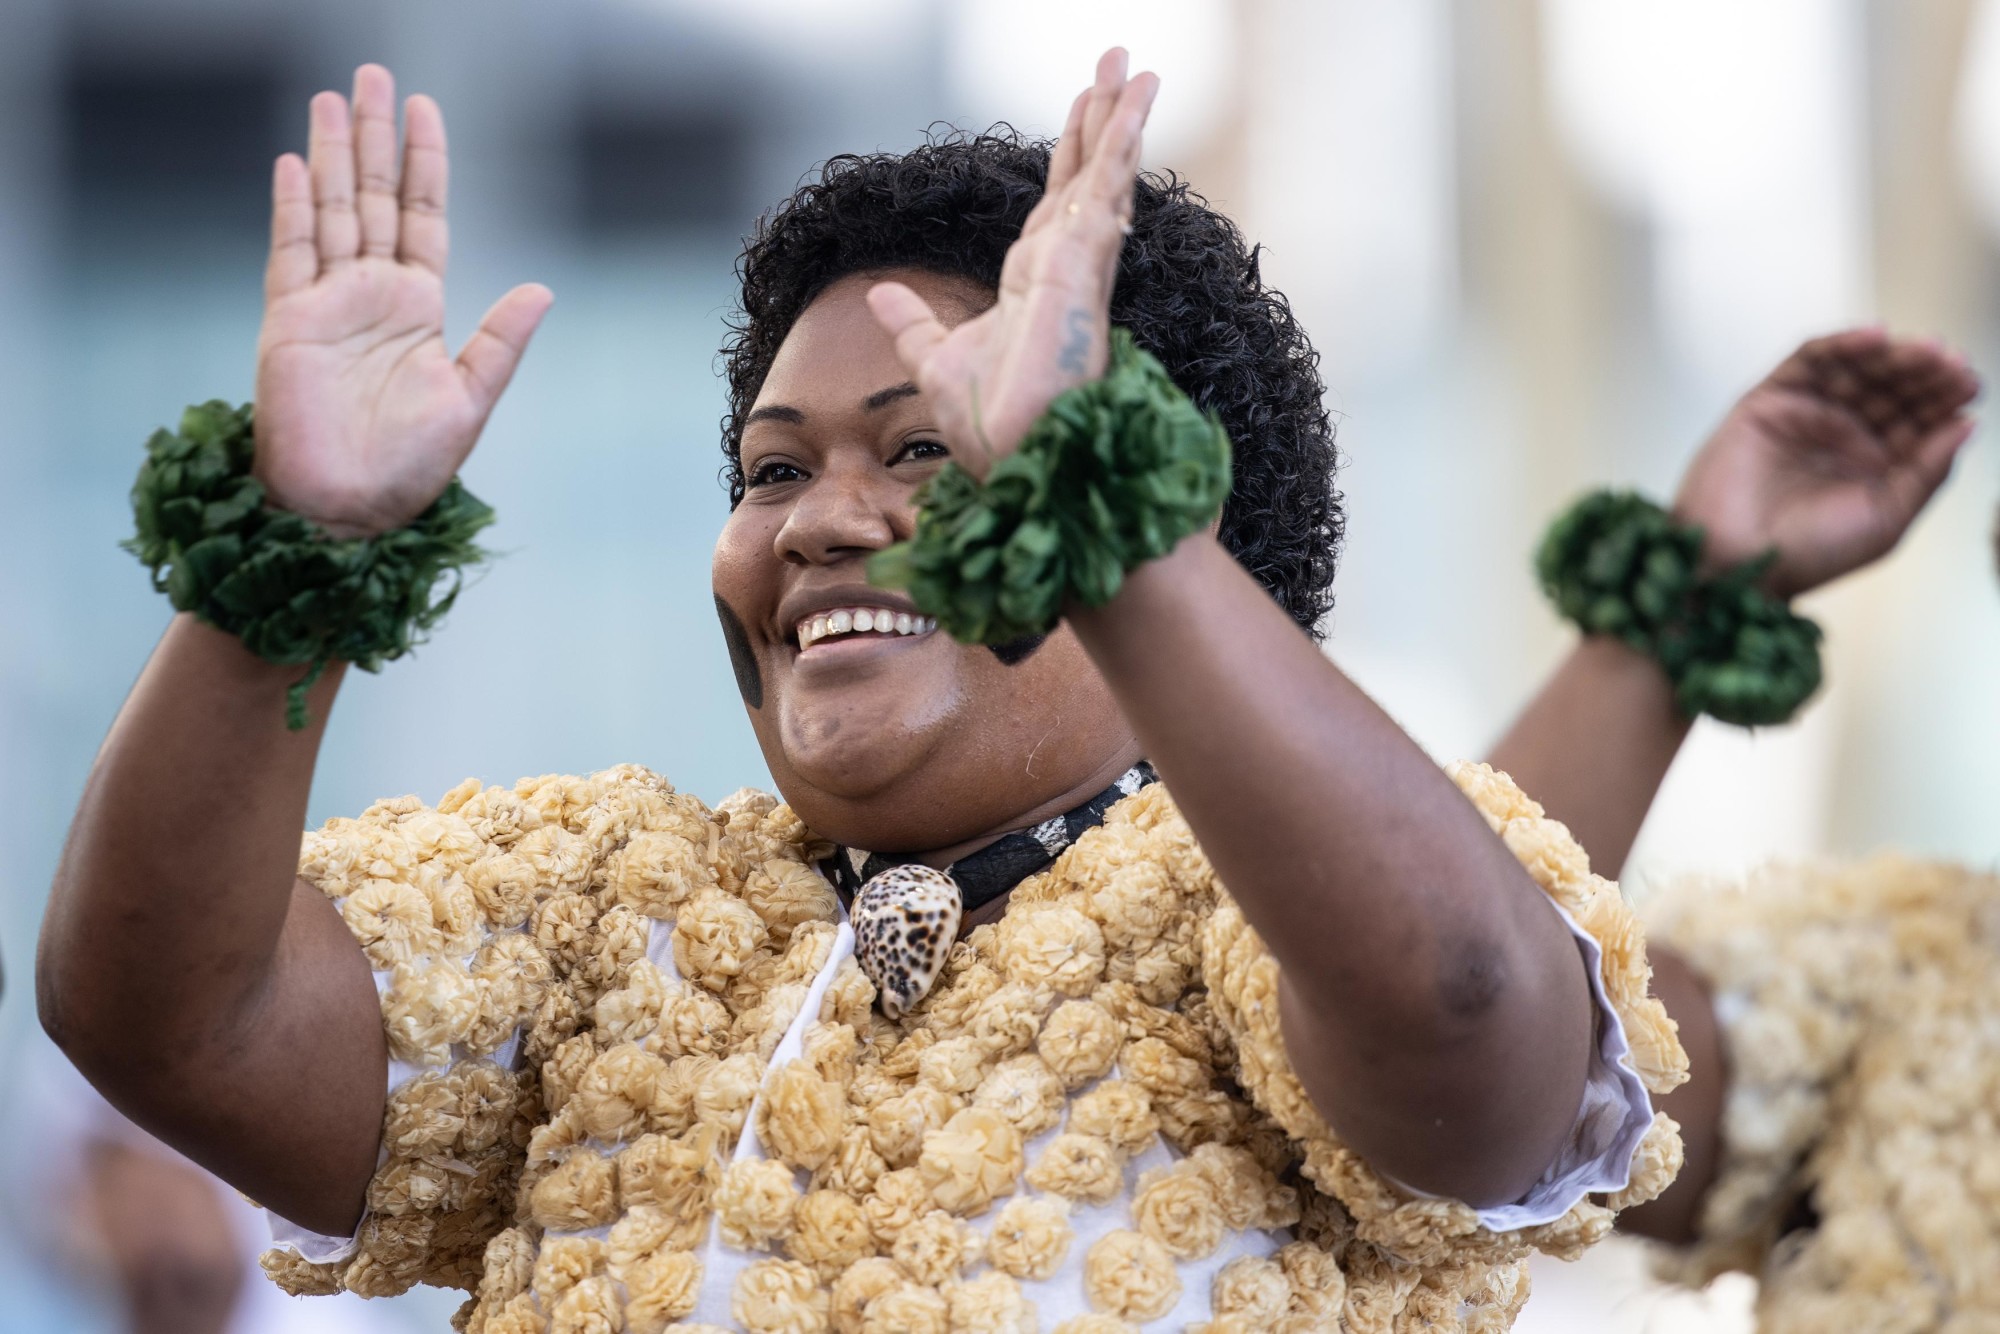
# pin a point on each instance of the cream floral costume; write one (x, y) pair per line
(1860, 1010)
(639, 1084)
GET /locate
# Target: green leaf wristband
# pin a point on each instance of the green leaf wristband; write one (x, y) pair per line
(1114, 474)
(292, 593)
(1617, 564)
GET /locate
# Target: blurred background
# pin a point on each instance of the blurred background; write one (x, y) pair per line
(1541, 245)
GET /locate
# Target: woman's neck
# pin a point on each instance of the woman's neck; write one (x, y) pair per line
(1092, 783)
(1068, 800)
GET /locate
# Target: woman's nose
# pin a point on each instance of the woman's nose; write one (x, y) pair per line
(842, 513)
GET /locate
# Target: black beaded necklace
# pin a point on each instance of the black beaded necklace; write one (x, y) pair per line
(985, 875)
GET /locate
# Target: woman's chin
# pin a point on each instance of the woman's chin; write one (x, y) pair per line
(852, 756)
(863, 739)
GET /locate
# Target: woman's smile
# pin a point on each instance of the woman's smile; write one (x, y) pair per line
(840, 651)
(855, 619)
(845, 624)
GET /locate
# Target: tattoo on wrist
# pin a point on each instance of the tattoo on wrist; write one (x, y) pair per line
(1074, 358)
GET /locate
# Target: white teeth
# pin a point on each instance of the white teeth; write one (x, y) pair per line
(862, 620)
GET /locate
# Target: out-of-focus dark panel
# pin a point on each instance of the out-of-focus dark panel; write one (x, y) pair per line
(165, 156)
(659, 170)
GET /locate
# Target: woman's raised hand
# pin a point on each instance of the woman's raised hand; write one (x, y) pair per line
(362, 414)
(989, 379)
(1832, 457)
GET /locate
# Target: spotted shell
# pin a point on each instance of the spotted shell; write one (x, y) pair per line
(905, 920)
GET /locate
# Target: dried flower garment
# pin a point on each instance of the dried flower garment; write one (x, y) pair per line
(1860, 1009)
(1089, 1124)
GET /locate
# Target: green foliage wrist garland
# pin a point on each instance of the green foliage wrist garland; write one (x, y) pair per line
(1114, 474)
(292, 593)
(1619, 565)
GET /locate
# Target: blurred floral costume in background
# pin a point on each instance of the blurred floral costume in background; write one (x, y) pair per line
(1859, 1178)
(1093, 1098)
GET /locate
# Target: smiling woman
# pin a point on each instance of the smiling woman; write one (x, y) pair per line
(966, 1032)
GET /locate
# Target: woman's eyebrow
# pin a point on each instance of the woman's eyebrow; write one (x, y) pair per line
(876, 401)
(882, 398)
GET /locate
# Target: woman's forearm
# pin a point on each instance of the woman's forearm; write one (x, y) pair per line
(1436, 1008)
(180, 967)
(1595, 744)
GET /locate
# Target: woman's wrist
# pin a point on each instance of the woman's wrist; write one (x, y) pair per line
(232, 663)
(294, 594)
(1170, 578)
(1616, 564)
(1717, 556)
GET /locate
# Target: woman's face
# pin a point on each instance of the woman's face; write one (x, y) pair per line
(890, 741)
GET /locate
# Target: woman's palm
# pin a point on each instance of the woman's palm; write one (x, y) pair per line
(1831, 458)
(363, 415)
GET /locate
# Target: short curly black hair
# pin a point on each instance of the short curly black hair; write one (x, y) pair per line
(1188, 288)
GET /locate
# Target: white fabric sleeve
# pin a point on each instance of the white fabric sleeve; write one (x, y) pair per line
(1615, 1115)
(320, 1248)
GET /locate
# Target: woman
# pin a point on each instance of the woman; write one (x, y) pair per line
(612, 1013)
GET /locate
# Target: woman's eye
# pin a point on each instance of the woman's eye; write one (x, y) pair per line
(922, 450)
(776, 470)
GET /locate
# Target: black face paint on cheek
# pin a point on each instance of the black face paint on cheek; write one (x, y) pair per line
(1016, 651)
(749, 681)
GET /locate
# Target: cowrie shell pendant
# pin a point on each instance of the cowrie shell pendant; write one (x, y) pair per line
(905, 923)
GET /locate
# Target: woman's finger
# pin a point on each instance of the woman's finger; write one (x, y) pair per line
(1935, 389)
(1912, 484)
(1114, 158)
(1109, 180)
(331, 156)
(1954, 381)
(294, 263)
(1068, 154)
(1064, 161)
(1080, 130)
(424, 238)
(1104, 94)
(910, 322)
(375, 159)
(488, 359)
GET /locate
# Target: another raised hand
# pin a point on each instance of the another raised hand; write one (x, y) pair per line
(1831, 458)
(994, 375)
(1827, 462)
(363, 415)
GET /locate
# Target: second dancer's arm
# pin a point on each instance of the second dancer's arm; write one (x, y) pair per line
(1827, 461)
